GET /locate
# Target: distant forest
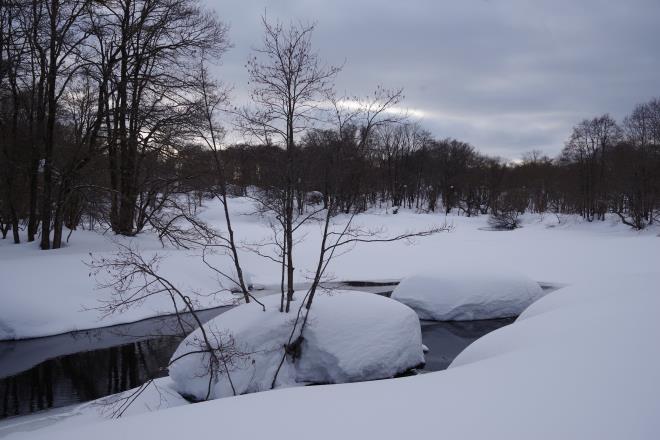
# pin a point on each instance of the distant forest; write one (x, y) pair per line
(603, 168)
(108, 116)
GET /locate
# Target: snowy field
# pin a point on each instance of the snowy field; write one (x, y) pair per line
(45, 293)
(580, 362)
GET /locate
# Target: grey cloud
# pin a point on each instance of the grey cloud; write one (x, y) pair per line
(507, 76)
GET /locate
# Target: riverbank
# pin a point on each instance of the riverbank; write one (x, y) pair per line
(582, 362)
(544, 249)
(89, 364)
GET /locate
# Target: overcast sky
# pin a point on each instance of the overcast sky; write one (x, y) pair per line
(508, 76)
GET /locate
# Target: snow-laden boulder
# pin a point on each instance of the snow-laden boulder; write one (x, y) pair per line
(350, 336)
(462, 296)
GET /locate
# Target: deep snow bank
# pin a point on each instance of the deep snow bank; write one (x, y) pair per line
(585, 326)
(350, 336)
(581, 363)
(459, 295)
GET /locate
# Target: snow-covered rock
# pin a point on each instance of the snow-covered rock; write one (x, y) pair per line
(455, 295)
(350, 336)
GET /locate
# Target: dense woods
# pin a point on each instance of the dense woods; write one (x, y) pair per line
(105, 123)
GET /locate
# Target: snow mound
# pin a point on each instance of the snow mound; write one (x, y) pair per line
(583, 362)
(463, 296)
(350, 336)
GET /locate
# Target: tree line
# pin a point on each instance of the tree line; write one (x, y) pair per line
(108, 117)
(604, 167)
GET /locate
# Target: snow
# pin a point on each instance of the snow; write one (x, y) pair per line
(350, 336)
(50, 292)
(581, 362)
(158, 395)
(463, 295)
(63, 297)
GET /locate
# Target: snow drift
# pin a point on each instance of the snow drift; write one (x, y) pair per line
(583, 362)
(350, 336)
(461, 295)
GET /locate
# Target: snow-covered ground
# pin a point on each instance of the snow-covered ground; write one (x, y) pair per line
(583, 362)
(45, 293)
(349, 337)
(466, 295)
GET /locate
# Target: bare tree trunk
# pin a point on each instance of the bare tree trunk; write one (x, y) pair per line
(288, 228)
(211, 101)
(126, 161)
(49, 138)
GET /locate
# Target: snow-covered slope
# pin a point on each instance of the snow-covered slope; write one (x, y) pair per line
(581, 363)
(460, 295)
(350, 336)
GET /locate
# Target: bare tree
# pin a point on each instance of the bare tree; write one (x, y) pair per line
(63, 39)
(588, 146)
(11, 53)
(213, 97)
(340, 237)
(150, 49)
(289, 85)
(132, 280)
(369, 113)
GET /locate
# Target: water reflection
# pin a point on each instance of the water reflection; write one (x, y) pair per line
(84, 376)
(76, 367)
(89, 375)
(446, 339)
